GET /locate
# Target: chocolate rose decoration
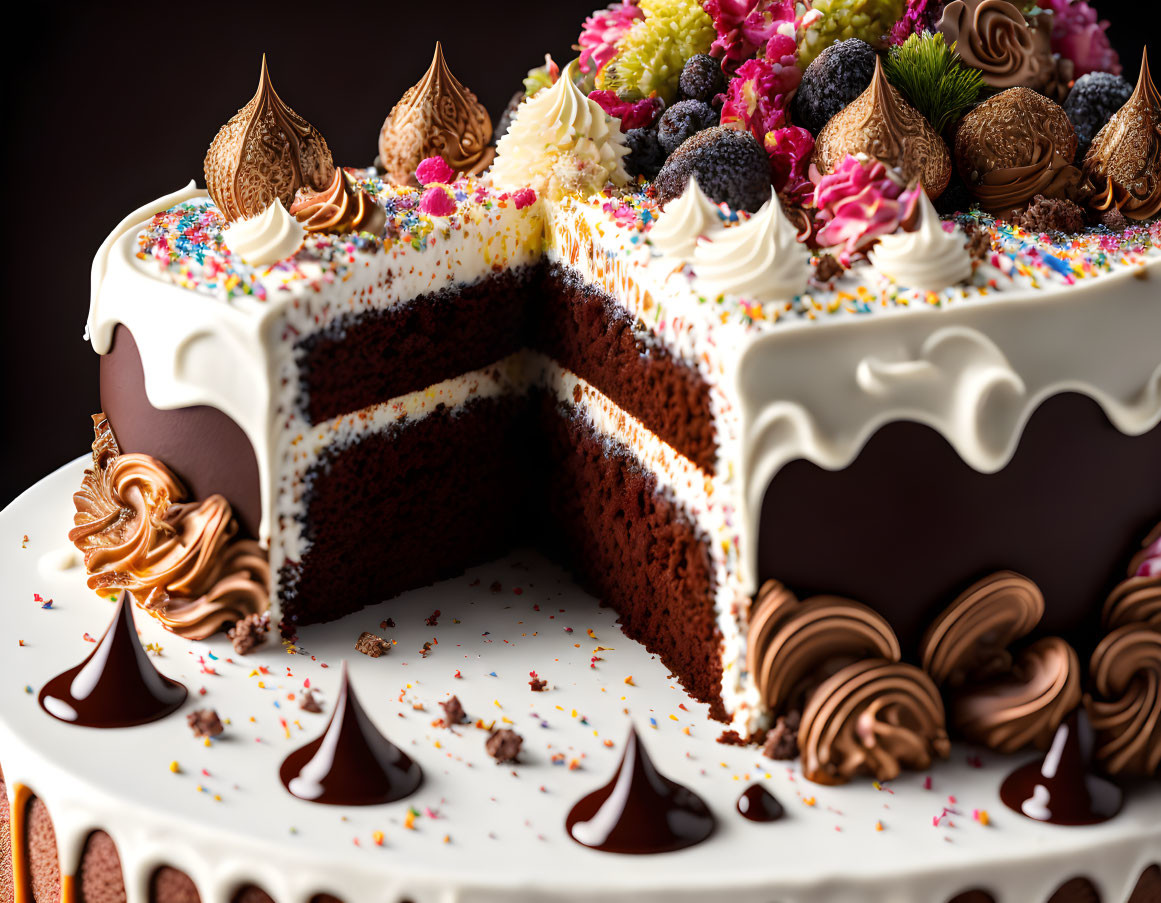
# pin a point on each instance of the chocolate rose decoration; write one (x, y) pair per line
(793, 645)
(1137, 598)
(338, 208)
(1015, 146)
(181, 560)
(1026, 706)
(970, 639)
(1124, 161)
(1001, 703)
(265, 151)
(994, 37)
(881, 124)
(873, 717)
(1125, 707)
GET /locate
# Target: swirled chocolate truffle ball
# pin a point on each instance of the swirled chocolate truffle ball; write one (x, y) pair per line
(836, 77)
(1014, 146)
(730, 165)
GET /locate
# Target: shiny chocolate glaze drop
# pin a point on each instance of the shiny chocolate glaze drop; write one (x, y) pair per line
(639, 810)
(117, 685)
(351, 763)
(758, 804)
(1060, 788)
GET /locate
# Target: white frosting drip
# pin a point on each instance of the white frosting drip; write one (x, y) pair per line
(761, 259)
(267, 238)
(686, 217)
(928, 258)
(560, 140)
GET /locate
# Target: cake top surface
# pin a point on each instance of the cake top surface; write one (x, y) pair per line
(188, 245)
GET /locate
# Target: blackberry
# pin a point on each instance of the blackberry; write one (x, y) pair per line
(730, 165)
(683, 120)
(1091, 102)
(836, 77)
(701, 79)
(646, 156)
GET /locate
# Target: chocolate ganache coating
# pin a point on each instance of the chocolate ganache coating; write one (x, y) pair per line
(117, 685)
(207, 450)
(640, 810)
(1059, 787)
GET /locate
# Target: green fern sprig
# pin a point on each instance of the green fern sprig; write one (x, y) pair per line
(932, 78)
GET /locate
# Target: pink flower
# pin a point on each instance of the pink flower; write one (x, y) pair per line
(744, 26)
(754, 99)
(633, 114)
(1077, 35)
(434, 169)
(790, 149)
(602, 31)
(437, 201)
(522, 197)
(918, 16)
(858, 203)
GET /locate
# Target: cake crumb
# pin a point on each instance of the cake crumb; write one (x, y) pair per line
(453, 711)
(309, 702)
(388, 624)
(504, 745)
(204, 723)
(249, 633)
(371, 645)
(782, 739)
(536, 683)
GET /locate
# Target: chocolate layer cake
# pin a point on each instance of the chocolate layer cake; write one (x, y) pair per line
(805, 339)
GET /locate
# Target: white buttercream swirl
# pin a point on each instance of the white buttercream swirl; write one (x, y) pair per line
(684, 218)
(267, 238)
(929, 258)
(761, 259)
(561, 142)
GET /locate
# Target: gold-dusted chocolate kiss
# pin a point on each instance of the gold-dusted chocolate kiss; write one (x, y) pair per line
(438, 116)
(265, 151)
(1124, 161)
(881, 124)
(338, 208)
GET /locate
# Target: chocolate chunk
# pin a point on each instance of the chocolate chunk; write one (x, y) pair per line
(432, 619)
(979, 243)
(204, 723)
(249, 633)
(309, 702)
(827, 268)
(504, 745)
(389, 624)
(371, 645)
(453, 711)
(537, 684)
(782, 739)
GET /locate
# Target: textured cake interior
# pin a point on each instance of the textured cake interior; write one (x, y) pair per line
(424, 498)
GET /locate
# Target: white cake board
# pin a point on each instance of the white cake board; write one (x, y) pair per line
(497, 834)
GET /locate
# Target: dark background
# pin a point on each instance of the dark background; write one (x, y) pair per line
(110, 108)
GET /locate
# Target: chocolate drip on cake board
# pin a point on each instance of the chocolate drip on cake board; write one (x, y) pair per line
(351, 763)
(117, 685)
(640, 810)
(758, 804)
(1060, 788)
